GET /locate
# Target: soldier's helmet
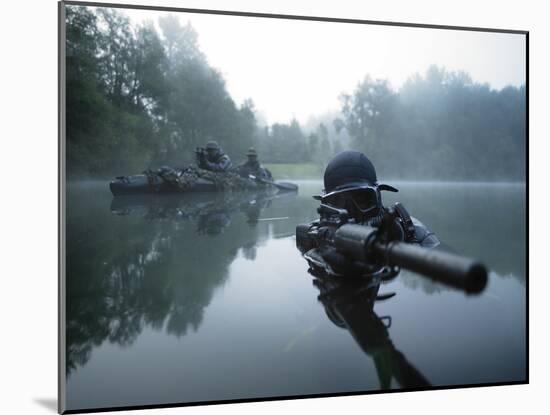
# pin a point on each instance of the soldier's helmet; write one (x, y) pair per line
(350, 182)
(213, 150)
(212, 145)
(347, 170)
(252, 152)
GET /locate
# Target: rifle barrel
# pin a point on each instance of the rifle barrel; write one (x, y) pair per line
(361, 244)
(453, 270)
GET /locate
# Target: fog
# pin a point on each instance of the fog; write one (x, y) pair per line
(145, 88)
(297, 69)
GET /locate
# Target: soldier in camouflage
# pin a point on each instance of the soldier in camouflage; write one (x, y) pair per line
(253, 167)
(215, 166)
(212, 158)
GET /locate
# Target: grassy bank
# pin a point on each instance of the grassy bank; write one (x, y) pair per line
(296, 170)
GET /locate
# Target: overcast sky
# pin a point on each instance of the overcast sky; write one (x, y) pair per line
(299, 68)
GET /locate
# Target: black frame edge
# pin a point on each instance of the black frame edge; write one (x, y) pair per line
(290, 17)
(527, 206)
(288, 398)
(61, 178)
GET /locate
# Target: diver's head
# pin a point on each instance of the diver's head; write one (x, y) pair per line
(213, 150)
(351, 184)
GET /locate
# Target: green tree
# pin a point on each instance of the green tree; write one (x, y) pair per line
(368, 112)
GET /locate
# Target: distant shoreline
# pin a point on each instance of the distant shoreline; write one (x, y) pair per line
(314, 172)
(397, 182)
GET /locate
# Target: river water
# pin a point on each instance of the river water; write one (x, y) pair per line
(205, 297)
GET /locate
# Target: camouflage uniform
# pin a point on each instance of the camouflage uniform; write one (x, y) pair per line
(182, 179)
(227, 181)
(253, 167)
(213, 159)
(223, 181)
(214, 166)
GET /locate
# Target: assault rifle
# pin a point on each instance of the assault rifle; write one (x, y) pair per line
(349, 249)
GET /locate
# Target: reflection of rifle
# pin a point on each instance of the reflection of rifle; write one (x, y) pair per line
(358, 249)
(349, 304)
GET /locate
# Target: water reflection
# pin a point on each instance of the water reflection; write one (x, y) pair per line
(158, 265)
(349, 304)
(194, 298)
(486, 221)
(212, 212)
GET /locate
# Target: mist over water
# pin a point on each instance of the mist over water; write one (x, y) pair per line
(205, 296)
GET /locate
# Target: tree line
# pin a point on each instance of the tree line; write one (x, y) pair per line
(440, 125)
(136, 97)
(140, 97)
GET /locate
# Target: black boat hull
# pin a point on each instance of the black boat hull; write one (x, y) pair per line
(141, 184)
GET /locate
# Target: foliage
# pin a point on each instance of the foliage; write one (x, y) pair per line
(138, 97)
(441, 125)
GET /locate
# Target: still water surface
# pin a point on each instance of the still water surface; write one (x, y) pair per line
(205, 297)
